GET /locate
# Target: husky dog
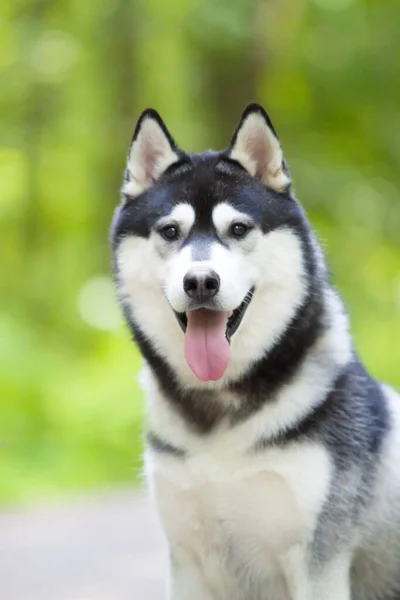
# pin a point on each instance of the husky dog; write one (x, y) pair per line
(273, 457)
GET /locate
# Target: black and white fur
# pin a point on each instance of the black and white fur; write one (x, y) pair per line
(280, 480)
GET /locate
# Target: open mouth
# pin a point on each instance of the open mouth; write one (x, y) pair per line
(234, 317)
(208, 335)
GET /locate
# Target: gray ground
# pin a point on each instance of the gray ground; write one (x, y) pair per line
(106, 547)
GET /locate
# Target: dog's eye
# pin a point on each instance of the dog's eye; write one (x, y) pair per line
(239, 230)
(169, 232)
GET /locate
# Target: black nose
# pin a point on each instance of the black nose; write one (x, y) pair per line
(201, 286)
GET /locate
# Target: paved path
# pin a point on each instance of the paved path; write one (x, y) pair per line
(103, 548)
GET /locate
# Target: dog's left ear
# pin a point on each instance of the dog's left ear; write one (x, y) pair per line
(256, 147)
(152, 151)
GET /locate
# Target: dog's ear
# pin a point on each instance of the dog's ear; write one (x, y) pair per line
(256, 147)
(152, 151)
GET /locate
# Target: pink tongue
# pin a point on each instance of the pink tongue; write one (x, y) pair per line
(207, 350)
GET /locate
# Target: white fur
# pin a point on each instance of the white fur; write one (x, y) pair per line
(261, 506)
(259, 152)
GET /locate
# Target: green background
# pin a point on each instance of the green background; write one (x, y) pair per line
(74, 77)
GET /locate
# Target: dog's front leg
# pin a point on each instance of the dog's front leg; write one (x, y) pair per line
(185, 581)
(332, 581)
(329, 581)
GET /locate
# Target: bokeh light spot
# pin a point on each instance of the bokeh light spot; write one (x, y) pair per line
(54, 54)
(97, 304)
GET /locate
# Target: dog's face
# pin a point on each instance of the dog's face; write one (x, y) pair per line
(209, 253)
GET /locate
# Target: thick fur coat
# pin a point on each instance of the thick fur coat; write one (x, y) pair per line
(272, 455)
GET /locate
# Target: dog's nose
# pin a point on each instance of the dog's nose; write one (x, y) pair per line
(201, 286)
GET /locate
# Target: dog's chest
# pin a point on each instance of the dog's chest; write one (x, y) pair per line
(235, 519)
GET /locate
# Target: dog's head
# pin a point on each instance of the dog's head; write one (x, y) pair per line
(209, 248)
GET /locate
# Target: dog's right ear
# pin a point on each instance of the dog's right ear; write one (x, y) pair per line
(152, 151)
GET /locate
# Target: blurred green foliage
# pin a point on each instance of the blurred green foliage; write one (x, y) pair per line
(74, 76)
